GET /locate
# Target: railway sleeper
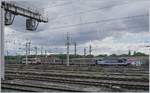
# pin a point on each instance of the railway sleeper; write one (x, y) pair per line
(83, 76)
(35, 88)
(85, 82)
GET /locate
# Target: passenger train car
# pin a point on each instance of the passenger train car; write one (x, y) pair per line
(78, 61)
(31, 61)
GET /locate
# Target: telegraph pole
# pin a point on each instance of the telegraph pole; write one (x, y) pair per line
(36, 51)
(2, 60)
(45, 53)
(41, 50)
(7, 52)
(75, 49)
(90, 49)
(26, 53)
(84, 52)
(68, 44)
(6, 47)
(29, 46)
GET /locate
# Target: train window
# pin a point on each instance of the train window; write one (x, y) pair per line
(120, 60)
(125, 59)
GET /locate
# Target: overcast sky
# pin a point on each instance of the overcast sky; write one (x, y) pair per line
(110, 26)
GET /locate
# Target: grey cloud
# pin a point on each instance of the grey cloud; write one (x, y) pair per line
(84, 33)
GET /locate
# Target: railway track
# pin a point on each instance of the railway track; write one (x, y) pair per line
(83, 72)
(82, 76)
(35, 88)
(94, 82)
(126, 79)
(112, 69)
(33, 85)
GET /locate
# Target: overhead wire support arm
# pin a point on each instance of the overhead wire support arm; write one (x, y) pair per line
(13, 19)
(16, 10)
(36, 25)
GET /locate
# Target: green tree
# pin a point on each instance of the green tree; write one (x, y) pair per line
(139, 54)
(113, 55)
(134, 53)
(129, 53)
(102, 55)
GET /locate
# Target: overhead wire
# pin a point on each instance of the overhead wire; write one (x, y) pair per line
(87, 11)
(58, 5)
(99, 21)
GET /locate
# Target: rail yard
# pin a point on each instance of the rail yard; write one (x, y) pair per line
(74, 45)
(50, 78)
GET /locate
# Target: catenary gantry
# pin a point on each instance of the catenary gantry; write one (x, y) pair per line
(8, 11)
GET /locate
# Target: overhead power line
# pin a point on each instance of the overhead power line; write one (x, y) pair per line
(91, 10)
(100, 21)
(59, 5)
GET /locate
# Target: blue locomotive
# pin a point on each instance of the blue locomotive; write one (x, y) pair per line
(118, 62)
